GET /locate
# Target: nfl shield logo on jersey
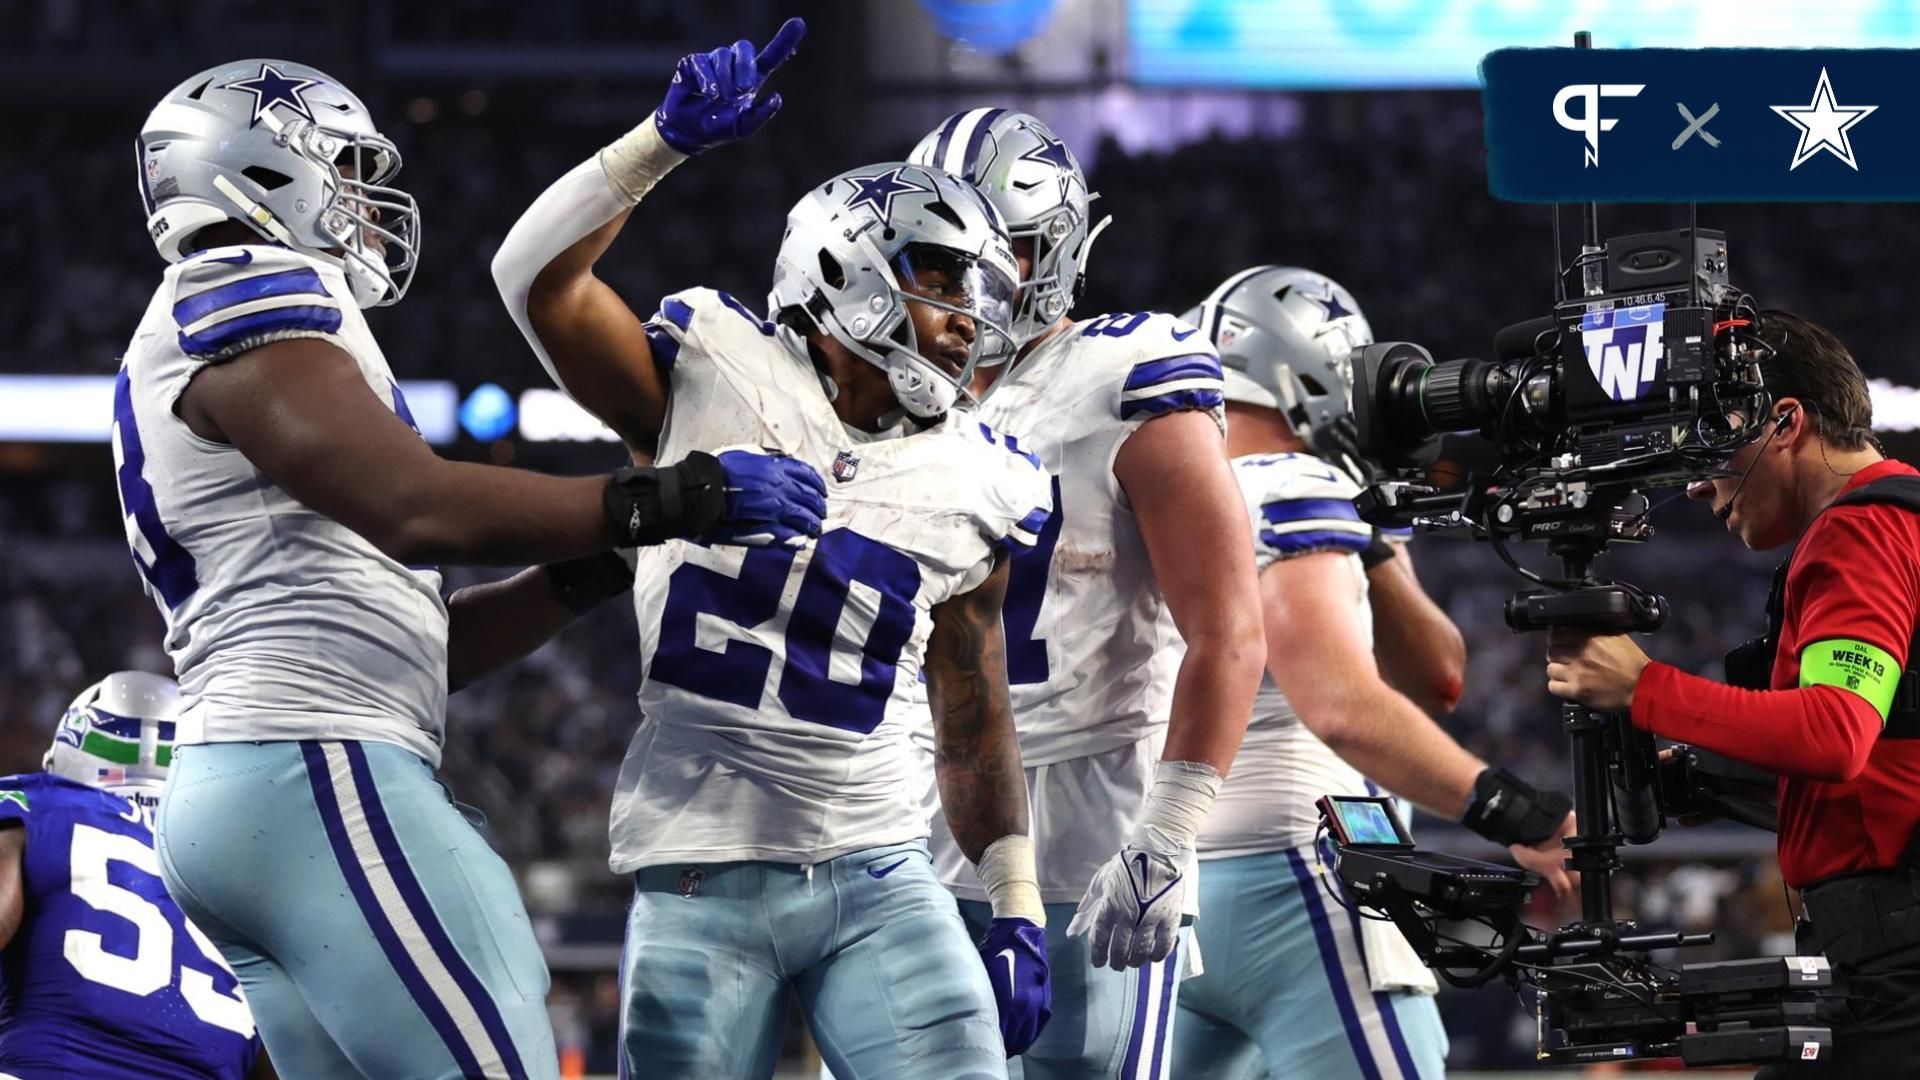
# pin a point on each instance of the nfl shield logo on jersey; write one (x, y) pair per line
(845, 465)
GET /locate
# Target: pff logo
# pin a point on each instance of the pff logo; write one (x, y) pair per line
(1590, 123)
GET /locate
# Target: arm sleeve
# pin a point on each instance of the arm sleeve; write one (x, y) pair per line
(1855, 580)
(1815, 733)
(575, 205)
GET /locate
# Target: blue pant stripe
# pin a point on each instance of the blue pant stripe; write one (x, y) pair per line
(1384, 1002)
(423, 913)
(1330, 960)
(321, 780)
(1137, 1040)
(1161, 1047)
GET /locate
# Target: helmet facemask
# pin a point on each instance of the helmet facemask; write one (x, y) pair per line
(373, 226)
(940, 282)
(1054, 277)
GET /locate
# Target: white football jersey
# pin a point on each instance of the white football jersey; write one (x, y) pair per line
(779, 683)
(282, 623)
(1088, 633)
(1297, 505)
(1091, 651)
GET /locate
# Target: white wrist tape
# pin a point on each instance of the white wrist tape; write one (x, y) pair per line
(1007, 872)
(1183, 792)
(636, 161)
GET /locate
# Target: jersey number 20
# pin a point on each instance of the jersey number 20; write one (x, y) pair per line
(150, 968)
(854, 589)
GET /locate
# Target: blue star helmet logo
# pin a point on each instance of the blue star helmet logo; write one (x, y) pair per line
(1334, 308)
(879, 191)
(1052, 151)
(270, 88)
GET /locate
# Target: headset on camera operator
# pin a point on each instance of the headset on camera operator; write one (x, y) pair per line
(1826, 705)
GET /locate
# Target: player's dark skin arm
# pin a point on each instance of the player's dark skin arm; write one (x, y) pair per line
(490, 626)
(13, 885)
(303, 414)
(976, 755)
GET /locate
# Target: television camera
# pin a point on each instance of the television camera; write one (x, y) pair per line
(1645, 376)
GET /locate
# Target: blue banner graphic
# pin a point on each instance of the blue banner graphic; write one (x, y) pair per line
(1708, 125)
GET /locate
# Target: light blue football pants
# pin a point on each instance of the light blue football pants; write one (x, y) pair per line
(890, 985)
(1285, 991)
(1106, 1024)
(375, 932)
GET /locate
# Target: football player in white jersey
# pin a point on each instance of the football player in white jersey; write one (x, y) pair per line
(1146, 547)
(1296, 984)
(768, 807)
(283, 510)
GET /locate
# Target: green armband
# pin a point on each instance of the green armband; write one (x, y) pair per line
(1853, 666)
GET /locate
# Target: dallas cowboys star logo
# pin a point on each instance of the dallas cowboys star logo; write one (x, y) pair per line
(1052, 151)
(1823, 125)
(1332, 305)
(270, 88)
(879, 191)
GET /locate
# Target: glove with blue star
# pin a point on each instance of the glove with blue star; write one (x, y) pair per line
(1015, 952)
(772, 499)
(715, 97)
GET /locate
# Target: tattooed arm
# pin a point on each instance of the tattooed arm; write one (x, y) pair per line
(984, 790)
(976, 756)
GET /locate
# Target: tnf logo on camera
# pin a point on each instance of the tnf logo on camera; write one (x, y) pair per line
(1590, 123)
(1625, 347)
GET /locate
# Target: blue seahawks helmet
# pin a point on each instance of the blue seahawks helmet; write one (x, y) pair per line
(1035, 182)
(118, 735)
(265, 142)
(1286, 338)
(853, 242)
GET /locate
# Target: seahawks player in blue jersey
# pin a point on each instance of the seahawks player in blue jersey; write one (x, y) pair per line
(101, 976)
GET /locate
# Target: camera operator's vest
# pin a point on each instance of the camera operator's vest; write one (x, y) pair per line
(1750, 665)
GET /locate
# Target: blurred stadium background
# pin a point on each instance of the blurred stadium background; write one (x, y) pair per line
(1344, 135)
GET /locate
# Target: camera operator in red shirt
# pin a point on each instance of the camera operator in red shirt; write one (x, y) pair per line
(1841, 628)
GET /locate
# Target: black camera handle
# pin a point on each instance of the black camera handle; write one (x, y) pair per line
(1616, 796)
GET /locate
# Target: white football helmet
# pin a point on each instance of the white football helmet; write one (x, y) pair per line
(263, 142)
(1286, 338)
(1035, 182)
(118, 735)
(852, 244)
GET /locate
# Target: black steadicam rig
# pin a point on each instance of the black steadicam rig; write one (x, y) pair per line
(1643, 380)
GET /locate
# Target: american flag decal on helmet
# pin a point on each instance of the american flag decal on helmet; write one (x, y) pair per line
(845, 464)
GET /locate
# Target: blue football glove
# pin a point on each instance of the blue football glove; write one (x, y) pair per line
(715, 96)
(1015, 952)
(771, 499)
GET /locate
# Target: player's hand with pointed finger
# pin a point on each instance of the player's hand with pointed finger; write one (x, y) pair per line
(1015, 952)
(718, 96)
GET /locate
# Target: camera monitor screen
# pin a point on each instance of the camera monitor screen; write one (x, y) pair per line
(1365, 821)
